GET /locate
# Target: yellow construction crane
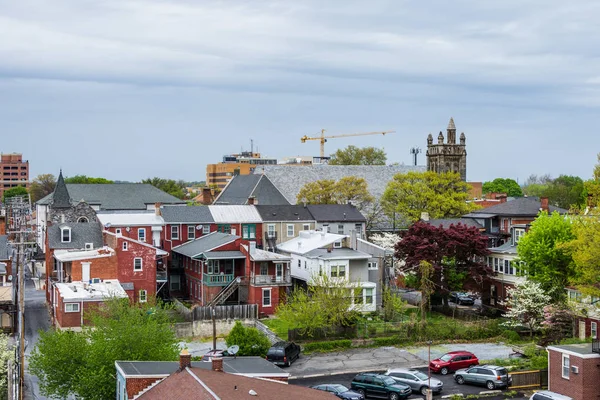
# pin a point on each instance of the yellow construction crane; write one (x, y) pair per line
(324, 138)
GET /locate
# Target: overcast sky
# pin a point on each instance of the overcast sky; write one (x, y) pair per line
(132, 89)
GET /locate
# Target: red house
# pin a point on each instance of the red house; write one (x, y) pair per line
(244, 221)
(573, 370)
(183, 224)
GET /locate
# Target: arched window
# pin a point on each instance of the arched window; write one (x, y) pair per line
(83, 219)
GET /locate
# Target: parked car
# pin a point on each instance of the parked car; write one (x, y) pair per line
(374, 385)
(340, 391)
(548, 395)
(283, 353)
(453, 361)
(490, 376)
(461, 298)
(417, 380)
(214, 353)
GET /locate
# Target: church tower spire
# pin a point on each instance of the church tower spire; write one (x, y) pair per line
(451, 132)
(60, 197)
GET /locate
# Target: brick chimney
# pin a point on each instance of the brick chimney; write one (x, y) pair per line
(251, 200)
(502, 197)
(185, 359)
(217, 364)
(157, 209)
(544, 204)
(206, 196)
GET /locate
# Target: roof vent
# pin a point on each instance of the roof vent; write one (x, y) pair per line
(252, 393)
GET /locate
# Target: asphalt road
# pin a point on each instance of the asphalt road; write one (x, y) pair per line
(450, 387)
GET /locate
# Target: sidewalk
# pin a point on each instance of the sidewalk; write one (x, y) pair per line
(383, 358)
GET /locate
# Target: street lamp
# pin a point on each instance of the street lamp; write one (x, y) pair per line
(429, 395)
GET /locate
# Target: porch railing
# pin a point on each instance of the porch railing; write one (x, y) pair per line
(596, 346)
(217, 280)
(271, 280)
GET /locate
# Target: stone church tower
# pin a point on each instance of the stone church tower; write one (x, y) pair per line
(450, 156)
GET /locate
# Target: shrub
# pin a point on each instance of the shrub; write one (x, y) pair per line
(327, 346)
(250, 340)
(387, 341)
(511, 336)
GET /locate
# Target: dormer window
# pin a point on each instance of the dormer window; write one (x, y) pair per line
(517, 232)
(65, 234)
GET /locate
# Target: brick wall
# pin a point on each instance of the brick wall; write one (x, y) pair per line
(581, 386)
(102, 267)
(144, 279)
(255, 297)
(66, 319)
(136, 385)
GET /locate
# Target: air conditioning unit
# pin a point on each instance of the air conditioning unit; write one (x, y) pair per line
(575, 369)
(96, 280)
(89, 246)
(198, 227)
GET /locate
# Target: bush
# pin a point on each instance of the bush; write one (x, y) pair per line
(511, 336)
(387, 341)
(327, 346)
(250, 340)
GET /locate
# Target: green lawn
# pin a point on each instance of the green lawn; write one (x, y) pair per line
(279, 327)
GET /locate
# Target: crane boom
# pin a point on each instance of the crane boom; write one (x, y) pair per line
(324, 138)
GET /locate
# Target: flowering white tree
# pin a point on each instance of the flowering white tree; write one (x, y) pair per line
(526, 302)
(7, 352)
(387, 241)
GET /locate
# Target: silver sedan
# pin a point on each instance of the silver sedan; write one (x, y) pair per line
(417, 380)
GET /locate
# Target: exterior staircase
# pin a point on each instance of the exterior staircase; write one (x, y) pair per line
(226, 292)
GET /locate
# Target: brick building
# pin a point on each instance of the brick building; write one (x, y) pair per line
(218, 175)
(13, 172)
(574, 370)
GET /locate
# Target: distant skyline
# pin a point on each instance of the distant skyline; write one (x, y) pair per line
(131, 89)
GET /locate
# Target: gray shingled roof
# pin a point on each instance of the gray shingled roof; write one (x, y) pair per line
(521, 206)
(187, 214)
(237, 365)
(116, 196)
(4, 247)
(81, 233)
(506, 248)
(61, 197)
(284, 213)
(289, 179)
(450, 221)
(241, 187)
(335, 213)
(205, 243)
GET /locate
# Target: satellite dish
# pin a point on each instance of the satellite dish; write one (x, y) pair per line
(232, 350)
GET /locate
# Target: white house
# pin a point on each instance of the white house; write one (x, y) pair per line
(318, 253)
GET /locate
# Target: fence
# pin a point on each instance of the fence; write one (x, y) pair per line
(273, 338)
(241, 311)
(529, 379)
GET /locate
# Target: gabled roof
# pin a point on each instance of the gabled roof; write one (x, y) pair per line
(306, 241)
(234, 214)
(289, 179)
(336, 213)
(116, 196)
(445, 223)
(187, 215)
(287, 213)
(81, 233)
(241, 187)
(204, 244)
(4, 248)
(521, 206)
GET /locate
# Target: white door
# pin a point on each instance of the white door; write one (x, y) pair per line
(582, 330)
(85, 272)
(278, 272)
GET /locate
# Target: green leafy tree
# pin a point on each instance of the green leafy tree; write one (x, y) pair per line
(82, 364)
(503, 185)
(585, 251)
(441, 195)
(174, 188)
(536, 186)
(543, 255)
(13, 192)
(41, 186)
(353, 155)
(250, 340)
(87, 179)
(566, 191)
(393, 306)
(592, 186)
(525, 303)
(349, 189)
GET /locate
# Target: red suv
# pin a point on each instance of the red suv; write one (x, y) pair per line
(453, 361)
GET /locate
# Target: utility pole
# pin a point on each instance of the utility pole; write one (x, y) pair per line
(415, 152)
(214, 323)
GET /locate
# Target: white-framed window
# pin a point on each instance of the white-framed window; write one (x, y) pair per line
(191, 232)
(205, 229)
(118, 231)
(125, 245)
(65, 234)
(71, 307)
(340, 229)
(368, 296)
(142, 234)
(594, 330)
(337, 245)
(566, 366)
(290, 230)
(518, 234)
(264, 268)
(338, 271)
(325, 228)
(174, 232)
(271, 230)
(266, 297)
(306, 227)
(495, 264)
(359, 230)
(143, 296)
(213, 267)
(175, 283)
(372, 265)
(137, 264)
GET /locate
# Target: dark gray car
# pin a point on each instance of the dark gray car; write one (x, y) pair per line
(417, 380)
(490, 376)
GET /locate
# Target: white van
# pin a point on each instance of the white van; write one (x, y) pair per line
(548, 395)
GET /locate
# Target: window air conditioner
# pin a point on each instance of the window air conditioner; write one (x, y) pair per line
(575, 369)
